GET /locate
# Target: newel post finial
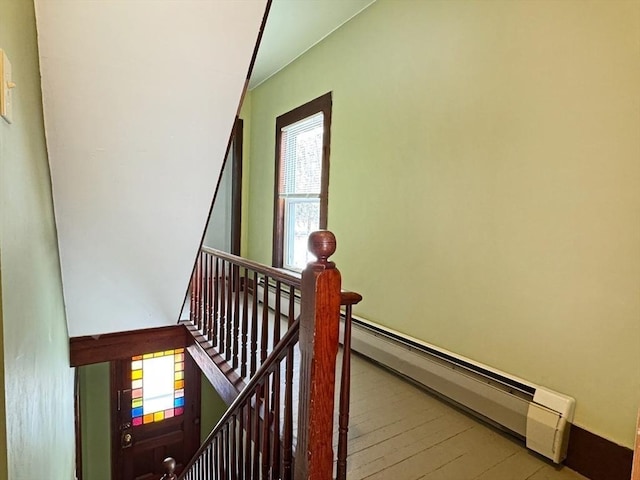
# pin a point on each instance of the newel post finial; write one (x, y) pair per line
(169, 465)
(322, 244)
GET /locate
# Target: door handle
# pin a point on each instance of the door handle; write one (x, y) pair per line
(126, 440)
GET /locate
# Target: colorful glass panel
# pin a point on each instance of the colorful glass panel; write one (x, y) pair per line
(157, 386)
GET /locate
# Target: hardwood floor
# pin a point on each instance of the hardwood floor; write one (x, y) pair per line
(399, 432)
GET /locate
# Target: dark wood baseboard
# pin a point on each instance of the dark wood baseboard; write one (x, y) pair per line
(597, 458)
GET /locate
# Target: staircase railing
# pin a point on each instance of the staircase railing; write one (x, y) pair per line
(272, 431)
(250, 441)
(236, 307)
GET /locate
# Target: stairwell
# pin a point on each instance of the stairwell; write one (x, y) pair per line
(269, 340)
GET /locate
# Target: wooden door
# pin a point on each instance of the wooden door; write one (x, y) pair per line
(155, 407)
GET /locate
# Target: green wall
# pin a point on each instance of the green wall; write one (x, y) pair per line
(3, 410)
(212, 408)
(484, 184)
(37, 378)
(95, 421)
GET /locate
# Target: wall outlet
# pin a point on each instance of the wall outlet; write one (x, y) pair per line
(6, 86)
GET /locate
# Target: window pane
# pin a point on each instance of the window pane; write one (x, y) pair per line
(157, 383)
(302, 216)
(301, 152)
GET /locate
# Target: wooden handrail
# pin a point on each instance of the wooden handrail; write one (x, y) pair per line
(350, 298)
(278, 274)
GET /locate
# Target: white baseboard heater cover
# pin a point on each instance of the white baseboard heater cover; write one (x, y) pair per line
(539, 415)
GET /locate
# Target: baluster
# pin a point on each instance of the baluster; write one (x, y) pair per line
(319, 327)
(206, 456)
(275, 406)
(216, 454)
(225, 450)
(223, 318)
(192, 300)
(210, 283)
(240, 433)
(245, 324)
(292, 306)
(229, 348)
(266, 423)
(288, 417)
(194, 312)
(216, 299)
(196, 282)
(205, 292)
(221, 455)
(200, 290)
(278, 314)
(275, 391)
(254, 325)
(203, 464)
(265, 321)
(236, 316)
(256, 434)
(233, 453)
(248, 441)
(345, 394)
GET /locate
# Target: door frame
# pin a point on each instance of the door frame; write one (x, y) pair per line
(236, 187)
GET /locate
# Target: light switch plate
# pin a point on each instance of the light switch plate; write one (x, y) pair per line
(6, 110)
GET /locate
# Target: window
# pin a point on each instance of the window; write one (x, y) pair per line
(157, 386)
(302, 180)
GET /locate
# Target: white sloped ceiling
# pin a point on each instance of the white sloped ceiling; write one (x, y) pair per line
(139, 100)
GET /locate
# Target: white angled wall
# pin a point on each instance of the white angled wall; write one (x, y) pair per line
(139, 101)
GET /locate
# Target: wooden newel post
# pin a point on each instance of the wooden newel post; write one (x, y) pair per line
(319, 327)
(169, 465)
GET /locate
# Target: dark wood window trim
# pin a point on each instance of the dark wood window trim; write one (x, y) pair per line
(321, 104)
(236, 187)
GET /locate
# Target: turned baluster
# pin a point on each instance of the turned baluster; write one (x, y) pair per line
(345, 386)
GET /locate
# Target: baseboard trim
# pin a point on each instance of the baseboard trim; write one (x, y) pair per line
(598, 458)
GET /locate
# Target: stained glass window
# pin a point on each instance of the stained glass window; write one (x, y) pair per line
(157, 386)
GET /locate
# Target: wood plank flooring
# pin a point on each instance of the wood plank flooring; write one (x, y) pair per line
(399, 432)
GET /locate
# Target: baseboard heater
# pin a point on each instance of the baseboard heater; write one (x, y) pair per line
(540, 416)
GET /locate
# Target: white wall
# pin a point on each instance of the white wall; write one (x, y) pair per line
(139, 102)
